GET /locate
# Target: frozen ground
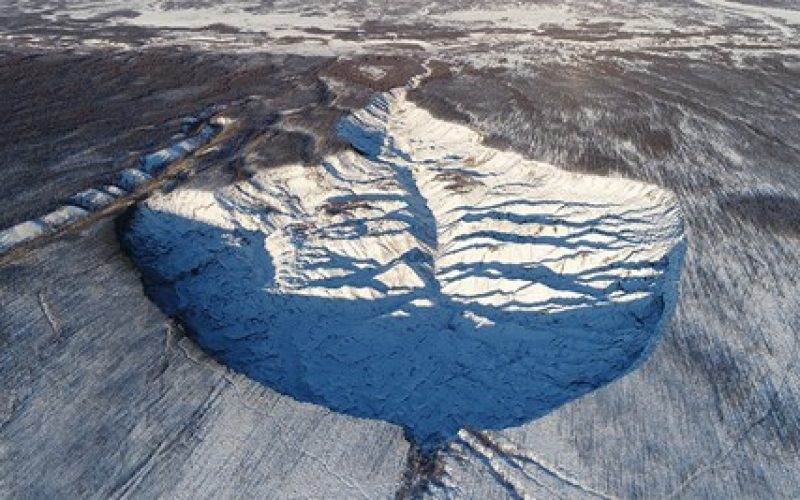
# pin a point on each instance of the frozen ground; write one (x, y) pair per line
(526, 208)
(428, 280)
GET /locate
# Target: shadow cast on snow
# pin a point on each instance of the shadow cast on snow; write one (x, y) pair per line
(419, 358)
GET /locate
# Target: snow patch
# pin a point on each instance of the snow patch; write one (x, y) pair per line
(93, 199)
(22, 232)
(63, 217)
(154, 163)
(130, 179)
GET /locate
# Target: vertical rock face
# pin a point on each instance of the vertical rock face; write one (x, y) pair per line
(420, 278)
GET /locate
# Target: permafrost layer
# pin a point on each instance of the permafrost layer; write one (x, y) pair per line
(421, 278)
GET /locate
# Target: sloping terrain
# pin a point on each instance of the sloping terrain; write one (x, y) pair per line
(422, 279)
(671, 107)
(107, 109)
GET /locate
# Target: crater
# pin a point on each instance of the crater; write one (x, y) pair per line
(421, 277)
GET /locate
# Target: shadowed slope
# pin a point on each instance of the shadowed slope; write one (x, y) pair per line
(428, 281)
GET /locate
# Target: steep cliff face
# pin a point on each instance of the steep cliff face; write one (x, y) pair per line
(420, 277)
(438, 225)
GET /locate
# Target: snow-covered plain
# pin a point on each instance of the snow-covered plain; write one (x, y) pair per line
(477, 31)
(420, 277)
(698, 99)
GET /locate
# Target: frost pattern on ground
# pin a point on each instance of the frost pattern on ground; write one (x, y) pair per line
(421, 277)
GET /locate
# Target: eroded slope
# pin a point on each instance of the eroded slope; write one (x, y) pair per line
(421, 277)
